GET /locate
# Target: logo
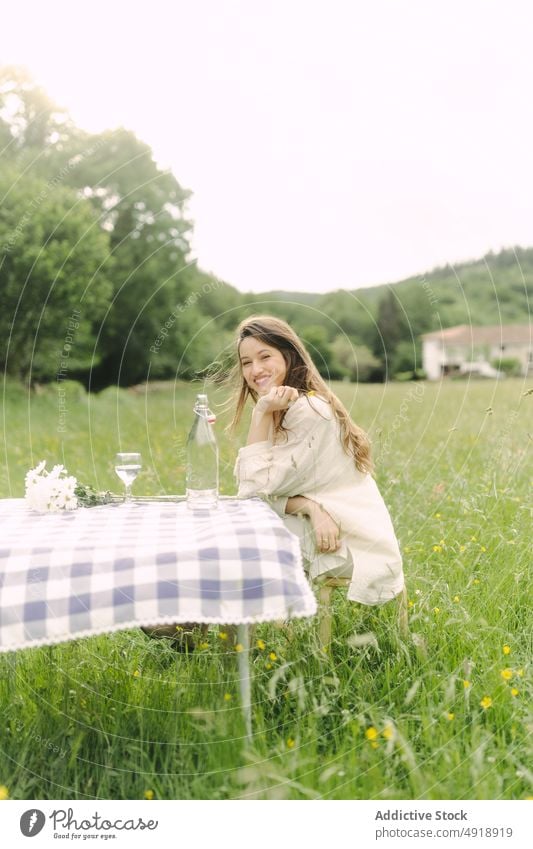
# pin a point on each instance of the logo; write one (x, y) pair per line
(32, 822)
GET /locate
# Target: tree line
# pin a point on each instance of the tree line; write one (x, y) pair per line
(98, 282)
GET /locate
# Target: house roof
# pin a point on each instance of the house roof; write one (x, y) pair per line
(498, 334)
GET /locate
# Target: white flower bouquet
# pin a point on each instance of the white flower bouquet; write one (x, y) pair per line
(50, 492)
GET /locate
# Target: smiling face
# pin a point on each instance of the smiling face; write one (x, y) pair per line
(262, 366)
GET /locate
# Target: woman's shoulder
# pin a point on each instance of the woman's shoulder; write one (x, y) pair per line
(309, 406)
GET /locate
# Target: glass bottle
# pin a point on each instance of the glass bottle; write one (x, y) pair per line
(202, 459)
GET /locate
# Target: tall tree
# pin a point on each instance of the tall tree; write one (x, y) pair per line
(142, 209)
(29, 119)
(389, 329)
(139, 207)
(315, 339)
(353, 361)
(53, 278)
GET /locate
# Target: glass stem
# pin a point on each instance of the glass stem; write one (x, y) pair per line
(128, 493)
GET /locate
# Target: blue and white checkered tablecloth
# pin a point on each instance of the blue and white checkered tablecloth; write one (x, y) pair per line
(72, 574)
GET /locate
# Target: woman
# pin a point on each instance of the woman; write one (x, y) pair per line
(306, 457)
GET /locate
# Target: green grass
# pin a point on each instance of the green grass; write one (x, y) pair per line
(127, 715)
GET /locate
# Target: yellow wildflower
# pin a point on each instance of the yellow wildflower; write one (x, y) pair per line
(514, 691)
(371, 733)
(483, 548)
(437, 548)
(520, 673)
(486, 702)
(227, 697)
(506, 674)
(268, 666)
(437, 515)
(203, 646)
(4, 792)
(410, 603)
(261, 645)
(450, 716)
(467, 684)
(475, 581)
(506, 649)
(388, 732)
(290, 743)
(136, 674)
(239, 647)
(456, 598)
(223, 635)
(148, 794)
(436, 610)
(473, 539)
(374, 744)
(462, 548)
(273, 655)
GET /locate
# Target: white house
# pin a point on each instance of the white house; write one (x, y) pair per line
(465, 349)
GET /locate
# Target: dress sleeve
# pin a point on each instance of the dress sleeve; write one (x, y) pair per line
(277, 503)
(290, 466)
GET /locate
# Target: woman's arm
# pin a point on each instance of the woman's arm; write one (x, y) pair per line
(295, 464)
(299, 505)
(279, 398)
(259, 426)
(326, 530)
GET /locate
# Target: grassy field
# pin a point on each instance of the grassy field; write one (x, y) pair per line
(445, 713)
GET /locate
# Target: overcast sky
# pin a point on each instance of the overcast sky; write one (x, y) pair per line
(328, 144)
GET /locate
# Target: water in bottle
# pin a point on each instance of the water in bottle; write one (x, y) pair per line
(202, 459)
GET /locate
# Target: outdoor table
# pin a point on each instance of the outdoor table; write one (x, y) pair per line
(94, 570)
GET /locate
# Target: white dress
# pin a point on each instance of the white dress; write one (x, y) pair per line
(309, 460)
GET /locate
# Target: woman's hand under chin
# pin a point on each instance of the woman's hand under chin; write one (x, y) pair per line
(277, 398)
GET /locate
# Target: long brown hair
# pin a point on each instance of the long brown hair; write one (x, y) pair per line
(303, 375)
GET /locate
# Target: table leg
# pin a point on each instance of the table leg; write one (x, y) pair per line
(243, 637)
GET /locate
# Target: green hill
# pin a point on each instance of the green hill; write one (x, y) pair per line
(380, 326)
(498, 288)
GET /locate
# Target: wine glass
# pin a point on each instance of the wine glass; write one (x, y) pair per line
(127, 467)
